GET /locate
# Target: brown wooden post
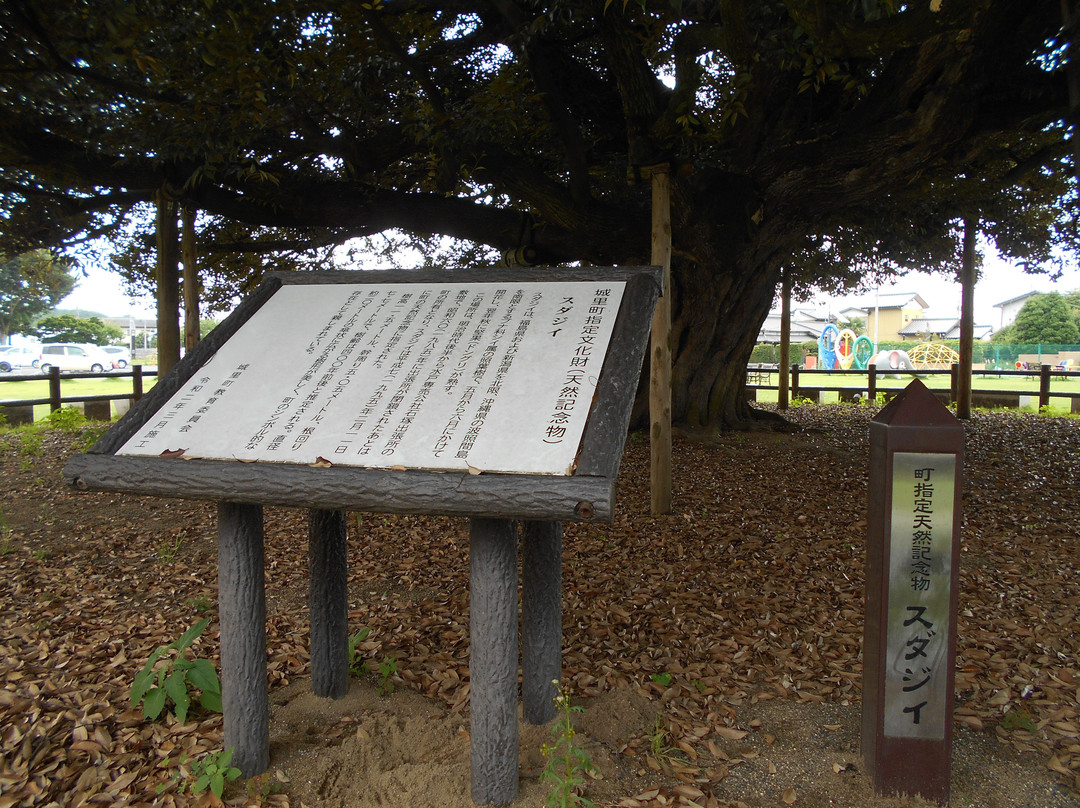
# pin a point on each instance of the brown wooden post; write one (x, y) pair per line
(954, 381)
(136, 382)
(168, 284)
(785, 338)
(967, 319)
(912, 580)
(871, 383)
(189, 257)
(660, 344)
(1044, 386)
(794, 381)
(55, 401)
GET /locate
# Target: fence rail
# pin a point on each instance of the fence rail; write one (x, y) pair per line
(1045, 374)
(56, 399)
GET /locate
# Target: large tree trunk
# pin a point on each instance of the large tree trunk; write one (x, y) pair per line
(718, 316)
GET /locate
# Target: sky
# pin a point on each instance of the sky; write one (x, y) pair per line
(101, 292)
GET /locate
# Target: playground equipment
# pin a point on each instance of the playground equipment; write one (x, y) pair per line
(893, 361)
(842, 349)
(845, 348)
(864, 352)
(928, 355)
(827, 347)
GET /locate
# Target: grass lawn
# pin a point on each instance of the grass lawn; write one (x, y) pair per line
(36, 388)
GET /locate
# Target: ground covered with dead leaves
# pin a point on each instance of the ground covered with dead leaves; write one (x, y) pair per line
(716, 651)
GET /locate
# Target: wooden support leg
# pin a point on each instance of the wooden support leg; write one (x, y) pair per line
(328, 586)
(541, 619)
(242, 610)
(493, 660)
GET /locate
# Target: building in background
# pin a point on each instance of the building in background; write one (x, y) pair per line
(1008, 309)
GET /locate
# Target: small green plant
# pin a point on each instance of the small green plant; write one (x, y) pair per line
(211, 771)
(168, 549)
(200, 603)
(387, 670)
(660, 748)
(1019, 718)
(662, 679)
(93, 434)
(67, 419)
(166, 677)
(357, 666)
(40, 554)
(568, 763)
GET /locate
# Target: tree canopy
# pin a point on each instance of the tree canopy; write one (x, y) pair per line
(834, 137)
(69, 328)
(1046, 319)
(30, 285)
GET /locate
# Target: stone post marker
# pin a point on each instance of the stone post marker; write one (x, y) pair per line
(913, 552)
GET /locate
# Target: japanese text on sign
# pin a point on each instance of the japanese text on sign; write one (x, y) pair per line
(455, 376)
(920, 570)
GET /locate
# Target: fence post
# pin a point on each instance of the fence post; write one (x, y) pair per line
(54, 388)
(795, 381)
(1044, 386)
(136, 382)
(871, 383)
(954, 381)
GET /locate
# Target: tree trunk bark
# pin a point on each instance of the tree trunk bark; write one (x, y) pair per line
(168, 285)
(714, 329)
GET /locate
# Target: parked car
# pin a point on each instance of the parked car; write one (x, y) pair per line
(119, 353)
(18, 356)
(75, 356)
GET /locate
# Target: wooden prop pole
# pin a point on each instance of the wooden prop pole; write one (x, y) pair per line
(967, 318)
(660, 345)
(242, 612)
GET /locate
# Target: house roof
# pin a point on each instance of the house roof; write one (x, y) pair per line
(980, 332)
(1016, 299)
(896, 300)
(928, 325)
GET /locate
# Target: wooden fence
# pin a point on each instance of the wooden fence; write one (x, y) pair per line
(22, 411)
(866, 383)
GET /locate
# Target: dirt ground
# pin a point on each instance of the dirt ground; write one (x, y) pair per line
(716, 652)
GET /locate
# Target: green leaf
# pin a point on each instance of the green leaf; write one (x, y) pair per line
(204, 676)
(154, 703)
(189, 636)
(176, 687)
(211, 701)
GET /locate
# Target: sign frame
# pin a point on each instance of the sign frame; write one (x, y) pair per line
(586, 495)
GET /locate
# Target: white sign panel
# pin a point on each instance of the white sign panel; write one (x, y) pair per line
(445, 376)
(920, 578)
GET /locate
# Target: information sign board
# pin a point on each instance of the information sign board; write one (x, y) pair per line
(502, 393)
(473, 377)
